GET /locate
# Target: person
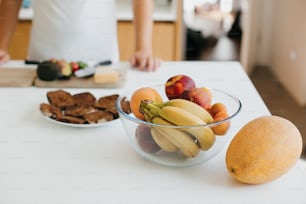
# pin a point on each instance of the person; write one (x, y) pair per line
(79, 30)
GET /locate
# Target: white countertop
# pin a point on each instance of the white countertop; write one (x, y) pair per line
(162, 11)
(42, 162)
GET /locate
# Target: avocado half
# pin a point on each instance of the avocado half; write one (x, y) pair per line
(48, 71)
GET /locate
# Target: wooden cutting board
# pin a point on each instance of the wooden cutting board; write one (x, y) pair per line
(17, 77)
(75, 82)
(24, 77)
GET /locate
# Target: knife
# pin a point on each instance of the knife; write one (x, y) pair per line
(90, 70)
(32, 62)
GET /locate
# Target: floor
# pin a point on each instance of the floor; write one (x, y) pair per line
(277, 99)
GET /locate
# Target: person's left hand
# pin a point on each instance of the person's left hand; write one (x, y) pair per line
(4, 57)
(145, 61)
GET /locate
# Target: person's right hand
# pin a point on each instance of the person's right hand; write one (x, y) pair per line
(4, 56)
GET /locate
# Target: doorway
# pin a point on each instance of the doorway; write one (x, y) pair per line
(213, 29)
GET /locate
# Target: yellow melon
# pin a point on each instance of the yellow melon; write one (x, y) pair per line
(263, 150)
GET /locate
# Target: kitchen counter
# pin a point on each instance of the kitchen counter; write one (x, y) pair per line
(44, 162)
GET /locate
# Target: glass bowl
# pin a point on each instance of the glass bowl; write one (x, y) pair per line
(153, 147)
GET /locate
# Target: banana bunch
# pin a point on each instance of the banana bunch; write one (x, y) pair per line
(179, 112)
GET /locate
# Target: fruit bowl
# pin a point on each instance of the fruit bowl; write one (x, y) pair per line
(177, 145)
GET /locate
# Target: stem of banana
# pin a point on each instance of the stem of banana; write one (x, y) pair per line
(150, 107)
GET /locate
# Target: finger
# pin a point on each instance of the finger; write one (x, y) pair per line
(157, 63)
(4, 58)
(150, 65)
(142, 63)
(133, 61)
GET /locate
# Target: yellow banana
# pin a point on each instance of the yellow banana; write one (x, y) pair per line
(162, 141)
(191, 107)
(204, 135)
(160, 138)
(179, 116)
(177, 137)
(160, 121)
(180, 139)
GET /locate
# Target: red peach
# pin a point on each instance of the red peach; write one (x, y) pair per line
(145, 139)
(176, 85)
(199, 96)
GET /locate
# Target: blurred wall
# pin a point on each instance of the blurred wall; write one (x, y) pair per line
(275, 32)
(288, 46)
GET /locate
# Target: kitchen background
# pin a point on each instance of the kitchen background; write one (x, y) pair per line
(265, 36)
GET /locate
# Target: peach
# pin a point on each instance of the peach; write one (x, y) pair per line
(219, 112)
(217, 108)
(145, 139)
(200, 96)
(176, 85)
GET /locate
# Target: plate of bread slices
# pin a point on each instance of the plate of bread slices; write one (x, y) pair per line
(81, 109)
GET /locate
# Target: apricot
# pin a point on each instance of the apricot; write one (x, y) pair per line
(263, 150)
(219, 112)
(145, 93)
(201, 96)
(222, 128)
(176, 85)
(145, 139)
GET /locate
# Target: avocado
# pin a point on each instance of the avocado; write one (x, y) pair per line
(48, 71)
(65, 68)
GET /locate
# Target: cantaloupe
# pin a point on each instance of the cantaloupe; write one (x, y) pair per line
(263, 150)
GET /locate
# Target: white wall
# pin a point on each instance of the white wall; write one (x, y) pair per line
(288, 46)
(250, 26)
(279, 40)
(265, 32)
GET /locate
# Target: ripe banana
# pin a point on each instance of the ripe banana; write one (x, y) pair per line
(179, 116)
(204, 135)
(192, 108)
(177, 137)
(180, 139)
(162, 141)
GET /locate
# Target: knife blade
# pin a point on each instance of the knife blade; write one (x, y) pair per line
(35, 62)
(90, 70)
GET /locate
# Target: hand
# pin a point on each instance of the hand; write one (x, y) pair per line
(143, 60)
(4, 57)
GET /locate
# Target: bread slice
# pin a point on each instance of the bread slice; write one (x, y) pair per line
(84, 98)
(60, 99)
(106, 101)
(50, 111)
(78, 111)
(71, 119)
(98, 117)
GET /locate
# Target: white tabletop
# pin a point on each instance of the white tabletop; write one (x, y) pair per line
(42, 162)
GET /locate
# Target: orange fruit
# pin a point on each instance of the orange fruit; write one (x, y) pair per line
(145, 93)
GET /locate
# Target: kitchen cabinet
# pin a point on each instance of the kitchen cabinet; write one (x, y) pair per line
(20, 40)
(163, 41)
(167, 32)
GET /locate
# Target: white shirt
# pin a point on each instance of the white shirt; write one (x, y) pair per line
(74, 30)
